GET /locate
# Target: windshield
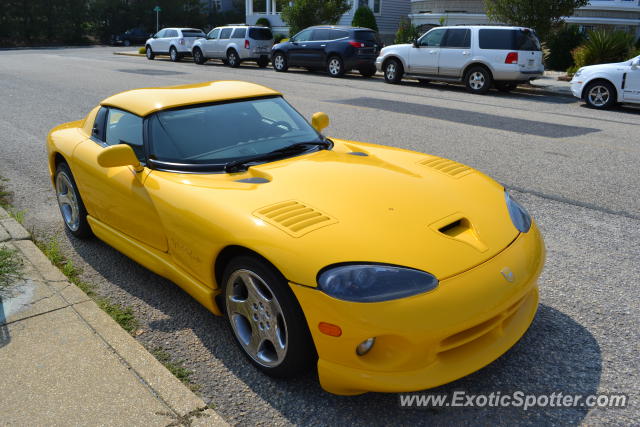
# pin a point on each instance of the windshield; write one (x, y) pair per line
(220, 133)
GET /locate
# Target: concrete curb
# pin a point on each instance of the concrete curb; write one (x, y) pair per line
(54, 293)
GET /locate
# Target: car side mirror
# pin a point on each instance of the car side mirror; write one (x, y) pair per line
(319, 121)
(119, 155)
(635, 63)
(415, 43)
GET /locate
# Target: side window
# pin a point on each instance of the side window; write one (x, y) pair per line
(458, 38)
(432, 39)
(303, 36)
(98, 131)
(125, 128)
(337, 34)
(239, 33)
(213, 34)
(321, 35)
(225, 33)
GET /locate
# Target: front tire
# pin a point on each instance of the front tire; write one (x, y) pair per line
(335, 66)
(149, 53)
(174, 55)
(393, 71)
(280, 62)
(266, 319)
(198, 56)
(478, 80)
(600, 95)
(233, 60)
(70, 203)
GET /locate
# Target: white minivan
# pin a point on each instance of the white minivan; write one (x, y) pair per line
(175, 42)
(234, 44)
(478, 56)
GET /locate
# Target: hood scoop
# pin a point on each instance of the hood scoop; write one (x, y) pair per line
(460, 228)
(294, 218)
(446, 166)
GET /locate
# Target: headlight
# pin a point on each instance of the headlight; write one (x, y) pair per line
(374, 283)
(519, 215)
(577, 74)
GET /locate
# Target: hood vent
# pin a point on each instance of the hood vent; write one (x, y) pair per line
(449, 167)
(294, 218)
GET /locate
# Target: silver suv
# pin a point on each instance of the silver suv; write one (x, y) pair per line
(479, 56)
(175, 42)
(234, 44)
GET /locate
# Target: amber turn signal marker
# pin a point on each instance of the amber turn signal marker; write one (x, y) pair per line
(330, 329)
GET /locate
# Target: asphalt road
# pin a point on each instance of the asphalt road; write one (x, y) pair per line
(575, 169)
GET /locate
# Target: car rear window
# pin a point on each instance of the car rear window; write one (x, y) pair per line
(508, 39)
(193, 33)
(365, 36)
(260, 34)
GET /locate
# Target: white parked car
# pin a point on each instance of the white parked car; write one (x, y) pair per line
(175, 42)
(478, 56)
(234, 44)
(604, 85)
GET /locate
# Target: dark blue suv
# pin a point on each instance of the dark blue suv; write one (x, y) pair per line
(336, 49)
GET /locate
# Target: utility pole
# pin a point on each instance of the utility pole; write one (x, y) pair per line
(157, 10)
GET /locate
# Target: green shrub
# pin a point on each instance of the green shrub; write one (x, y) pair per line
(277, 38)
(407, 32)
(142, 50)
(560, 44)
(263, 22)
(603, 47)
(365, 18)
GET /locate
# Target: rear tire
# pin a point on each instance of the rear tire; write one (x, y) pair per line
(233, 60)
(478, 80)
(335, 66)
(198, 56)
(72, 209)
(266, 319)
(600, 95)
(393, 71)
(126, 43)
(263, 62)
(280, 62)
(174, 55)
(149, 53)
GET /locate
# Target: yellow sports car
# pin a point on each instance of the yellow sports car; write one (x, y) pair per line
(390, 270)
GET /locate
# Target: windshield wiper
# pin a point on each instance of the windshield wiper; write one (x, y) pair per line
(240, 164)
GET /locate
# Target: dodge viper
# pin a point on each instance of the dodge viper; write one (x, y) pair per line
(386, 269)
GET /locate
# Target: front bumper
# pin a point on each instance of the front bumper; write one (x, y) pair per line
(379, 61)
(431, 339)
(576, 88)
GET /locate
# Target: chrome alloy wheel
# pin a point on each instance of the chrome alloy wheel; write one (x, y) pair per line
(476, 80)
(68, 201)
(599, 95)
(391, 70)
(278, 62)
(335, 66)
(256, 318)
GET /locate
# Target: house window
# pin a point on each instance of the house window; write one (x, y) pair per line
(374, 5)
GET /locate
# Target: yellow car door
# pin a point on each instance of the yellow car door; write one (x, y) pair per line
(117, 196)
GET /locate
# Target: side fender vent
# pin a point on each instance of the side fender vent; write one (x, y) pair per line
(446, 166)
(294, 218)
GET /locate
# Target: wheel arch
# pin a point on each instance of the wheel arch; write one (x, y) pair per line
(476, 64)
(230, 252)
(598, 79)
(397, 58)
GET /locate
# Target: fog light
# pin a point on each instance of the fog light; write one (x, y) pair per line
(364, 347)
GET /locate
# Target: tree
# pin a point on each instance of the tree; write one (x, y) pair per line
(407, 32)
(306, 13)
(541, 15)
(560, 43)
(364, 17)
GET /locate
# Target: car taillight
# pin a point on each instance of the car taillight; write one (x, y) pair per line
(356, 44)
(512, 58)
(246, 44)
(181, 41)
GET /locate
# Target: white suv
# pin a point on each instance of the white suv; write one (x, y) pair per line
(234, 44)
(175, 42)
(604, 85)
(479, 56)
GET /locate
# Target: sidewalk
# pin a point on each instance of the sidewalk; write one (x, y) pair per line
(549, 83)
(63, 361)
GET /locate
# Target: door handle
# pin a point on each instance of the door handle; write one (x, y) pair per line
(322, 45)
(433, 51)
(465, 53)
(304, 45)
